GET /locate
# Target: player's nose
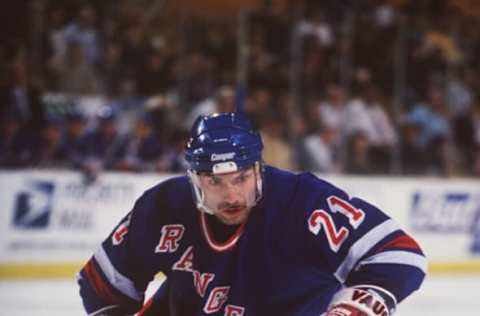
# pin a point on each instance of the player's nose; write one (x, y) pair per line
(230, 193)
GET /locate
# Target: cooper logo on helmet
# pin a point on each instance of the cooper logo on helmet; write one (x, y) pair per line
(222, 157)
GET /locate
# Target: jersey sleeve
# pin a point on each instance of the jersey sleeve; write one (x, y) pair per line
(360, 244)
(116, 276)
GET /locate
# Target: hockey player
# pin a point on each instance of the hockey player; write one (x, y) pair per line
(236, 237)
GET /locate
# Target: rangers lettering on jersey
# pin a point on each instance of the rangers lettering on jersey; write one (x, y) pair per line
(201, 281)
(171, 235)
(218, 297)
(185, 263)
(233, 310)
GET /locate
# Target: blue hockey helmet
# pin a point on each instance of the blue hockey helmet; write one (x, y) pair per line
(223, 142)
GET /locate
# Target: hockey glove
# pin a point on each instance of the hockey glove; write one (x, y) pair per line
(360, 301)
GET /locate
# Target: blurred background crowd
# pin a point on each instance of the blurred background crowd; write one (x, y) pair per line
(356, 87)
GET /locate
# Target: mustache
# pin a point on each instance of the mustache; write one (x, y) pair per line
(228, 206)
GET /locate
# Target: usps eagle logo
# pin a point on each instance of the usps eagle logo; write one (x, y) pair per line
(33, 205)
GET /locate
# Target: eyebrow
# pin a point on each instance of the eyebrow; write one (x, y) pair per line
(243, 173)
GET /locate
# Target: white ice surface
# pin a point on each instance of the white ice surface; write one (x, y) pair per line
(439, 296)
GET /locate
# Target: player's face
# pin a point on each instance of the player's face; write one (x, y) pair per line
(230, 196)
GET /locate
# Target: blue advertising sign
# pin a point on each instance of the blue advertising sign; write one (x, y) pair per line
(33, 205)
(447, 212)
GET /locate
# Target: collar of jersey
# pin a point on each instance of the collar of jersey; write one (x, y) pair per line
(219, 247)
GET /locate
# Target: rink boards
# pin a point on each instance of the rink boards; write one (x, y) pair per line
(51, 221)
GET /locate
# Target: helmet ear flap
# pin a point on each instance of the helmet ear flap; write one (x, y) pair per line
(197, 192)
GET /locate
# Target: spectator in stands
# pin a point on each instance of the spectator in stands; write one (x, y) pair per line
(381, 134)
(9, 137)
(261, 63)
(412, 153)
(55, 40)
(356, 118)
(318, 151)
(271, 22)
(21, 112)
(259, 106)
(143, 148)
(223, 101)
(77, 76)
(460, 100)
(114, 73)
(172, 159)
(276, 151)
(46, 151)
(198, 78)
(104, 147)
(357, 154)
(385, 20)
(27, 149)
(317, 26)
(423, 59)
(83, 32)
(72, 139)
(460, 92)
(318, 41)
(435, 130)
(134, 49)
(154, 76)
(332, 111)
(163, 115)
(20, 98)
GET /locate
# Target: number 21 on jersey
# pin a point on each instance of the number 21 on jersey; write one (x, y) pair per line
(322, 219)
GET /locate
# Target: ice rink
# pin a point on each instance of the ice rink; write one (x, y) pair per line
(440, 296)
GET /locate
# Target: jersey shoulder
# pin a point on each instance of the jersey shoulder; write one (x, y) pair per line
(314, 189)
(169, 189)
(280, 186)
(317, 190)
(302, 189)
(165, 200)
(321, 199)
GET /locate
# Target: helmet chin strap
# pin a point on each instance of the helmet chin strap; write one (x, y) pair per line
(200, 195)
(259, 181)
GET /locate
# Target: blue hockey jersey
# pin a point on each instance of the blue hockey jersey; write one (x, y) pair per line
(302, 242)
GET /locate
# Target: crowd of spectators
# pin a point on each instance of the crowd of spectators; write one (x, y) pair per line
(377, 89)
